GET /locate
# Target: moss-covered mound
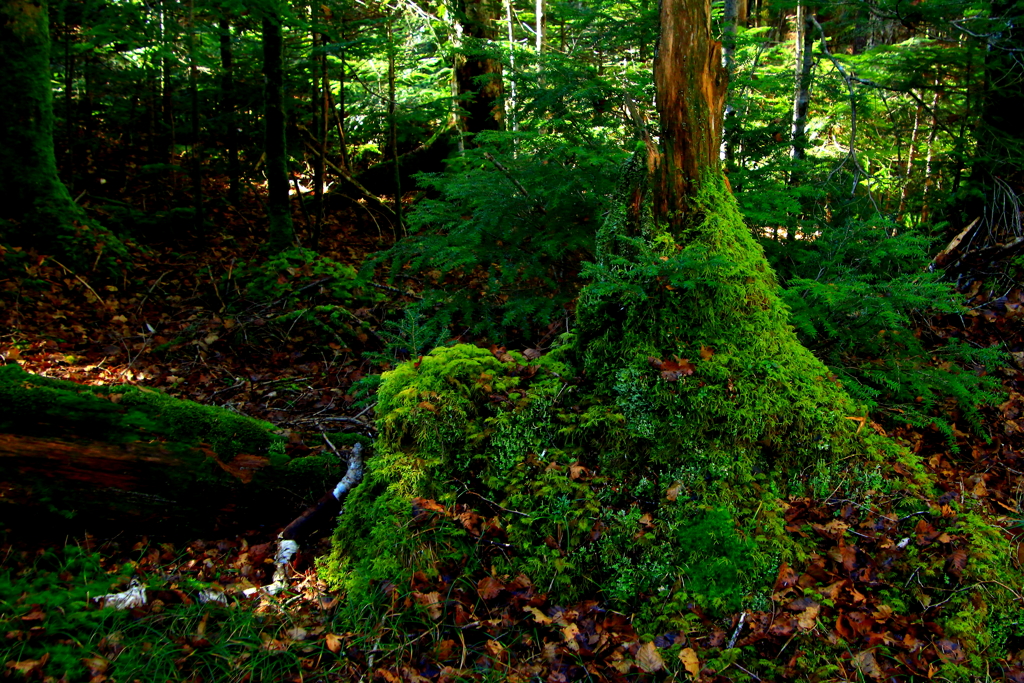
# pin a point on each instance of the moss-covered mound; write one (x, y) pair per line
(650, 461)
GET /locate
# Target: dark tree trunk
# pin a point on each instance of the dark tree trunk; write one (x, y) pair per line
(320, 113)
(691, 86)
(281, 235)
(195, 155)
(1000, 144)
(802, 88)
(477, 76)
(393, 124)
(33, 194)
(227, 89)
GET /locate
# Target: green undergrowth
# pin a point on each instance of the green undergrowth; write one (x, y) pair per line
(55, 630)
(307, 289)
(644, 461)
(861, 295)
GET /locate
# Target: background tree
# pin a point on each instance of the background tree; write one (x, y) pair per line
(43, 212)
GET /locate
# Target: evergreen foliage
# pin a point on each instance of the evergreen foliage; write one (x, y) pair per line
(859, 293)
(517, 232)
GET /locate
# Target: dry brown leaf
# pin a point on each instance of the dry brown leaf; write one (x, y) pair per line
(569, 633)
(649, 659)
(333, 642)
(809, 617)
(489, 587)
(690, 662)
(539, 616)
(431, 600)
(673, 491)
(867, 664)
(495, 649)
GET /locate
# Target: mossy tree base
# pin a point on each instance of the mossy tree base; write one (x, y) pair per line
(646, 462)
(120, 455)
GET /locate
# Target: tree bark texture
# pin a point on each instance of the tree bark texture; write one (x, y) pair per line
(281, 234)
(802, 91)
(691, 86)
(1000, 144)
(477, 76)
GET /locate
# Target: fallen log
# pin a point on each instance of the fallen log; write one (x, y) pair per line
(121, 455)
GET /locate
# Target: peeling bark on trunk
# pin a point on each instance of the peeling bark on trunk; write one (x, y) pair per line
(691, 86)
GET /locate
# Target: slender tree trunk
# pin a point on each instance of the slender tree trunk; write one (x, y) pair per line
(802, 90)
(69, 100)
(168, 90)
(281, 232)
(393, 122)
(691, 86)
(911, 158)
(227, 89)
(730, 20)
(933, 133)
(320, 114)
(339, 111)
(540, 25)
(195, 153)
(511, 104)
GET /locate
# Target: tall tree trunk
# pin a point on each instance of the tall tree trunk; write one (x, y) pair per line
(911, 158)
(227, 95)
(804, 44)
(478, 84)
(393, 121)
(167, 95)
(281, 233)
(1000, 144)
(540, 25)
(510, 105)
(195, 154)
(33, 194)
(933, 133)
(321, 110)
(691, 86)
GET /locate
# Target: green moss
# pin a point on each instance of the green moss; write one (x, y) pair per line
(182, 453)
(645, 460)
(42, 406)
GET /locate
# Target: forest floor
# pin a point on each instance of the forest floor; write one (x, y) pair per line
(173, 321)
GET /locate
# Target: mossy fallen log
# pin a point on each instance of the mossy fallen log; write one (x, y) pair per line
(124, 455)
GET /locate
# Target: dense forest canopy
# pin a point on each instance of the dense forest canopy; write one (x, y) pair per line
(676, 331)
